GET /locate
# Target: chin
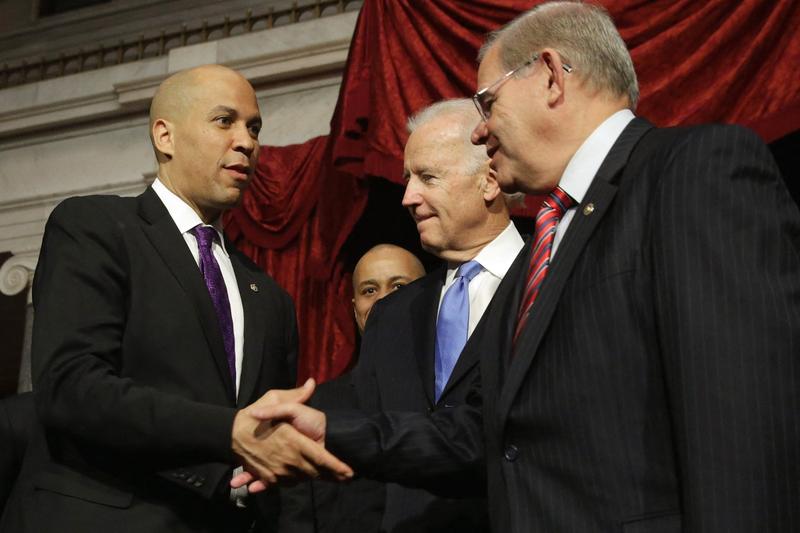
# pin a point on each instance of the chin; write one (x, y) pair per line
(233, 198)
(428, 247)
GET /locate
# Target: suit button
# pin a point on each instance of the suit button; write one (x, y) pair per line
(511, 453)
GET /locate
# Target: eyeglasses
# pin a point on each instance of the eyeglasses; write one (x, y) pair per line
(484, 98)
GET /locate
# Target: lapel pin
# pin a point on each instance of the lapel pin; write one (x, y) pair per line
(588, 209)
(254, 287)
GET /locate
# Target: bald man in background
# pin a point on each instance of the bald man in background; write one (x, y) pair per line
(382, 270)
(153, 333)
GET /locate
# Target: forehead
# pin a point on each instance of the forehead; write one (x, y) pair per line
(490, 68)
(225, 90)
(383, 265)
(438, 143)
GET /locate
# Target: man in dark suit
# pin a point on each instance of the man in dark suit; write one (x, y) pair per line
(461, 216)
(648, 381)
(152, 334)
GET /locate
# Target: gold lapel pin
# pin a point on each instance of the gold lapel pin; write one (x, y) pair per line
(588, 209)
(254, 287)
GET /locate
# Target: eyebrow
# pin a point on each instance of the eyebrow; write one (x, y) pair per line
(391, 279)
(223, 109)
(231, 111)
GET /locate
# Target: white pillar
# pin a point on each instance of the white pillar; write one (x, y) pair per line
(16, 275)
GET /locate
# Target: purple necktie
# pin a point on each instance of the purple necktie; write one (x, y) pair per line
(209, 267)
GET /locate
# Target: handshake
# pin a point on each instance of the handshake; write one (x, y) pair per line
(278, 438)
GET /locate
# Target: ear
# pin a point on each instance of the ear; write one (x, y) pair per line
(163, 137)
(491, 189)
(556, 76)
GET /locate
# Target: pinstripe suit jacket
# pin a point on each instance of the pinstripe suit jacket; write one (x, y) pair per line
(655, 386)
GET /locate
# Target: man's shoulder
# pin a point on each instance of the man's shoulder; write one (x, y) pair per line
(399, 307)
(94, 207)
(430, 283)
(700, 137)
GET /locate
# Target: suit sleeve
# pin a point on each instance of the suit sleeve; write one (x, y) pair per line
(80, 293)
(436, 451)
(725, 249)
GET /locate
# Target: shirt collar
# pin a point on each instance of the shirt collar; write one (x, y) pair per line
(583, 166)
(497, 256)
(182, 214)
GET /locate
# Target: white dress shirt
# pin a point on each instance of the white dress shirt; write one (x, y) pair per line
(495, 259)
(583, 166)
(186, 219)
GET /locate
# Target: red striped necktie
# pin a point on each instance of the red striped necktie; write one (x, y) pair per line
(553, 208)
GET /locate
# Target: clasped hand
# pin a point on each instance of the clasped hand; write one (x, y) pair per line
(277, 438)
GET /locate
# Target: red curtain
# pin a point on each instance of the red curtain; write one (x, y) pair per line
(710, 61)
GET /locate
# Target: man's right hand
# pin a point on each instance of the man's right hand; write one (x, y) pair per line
(272, 451)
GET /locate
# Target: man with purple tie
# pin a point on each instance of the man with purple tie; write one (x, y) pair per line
(152, 336)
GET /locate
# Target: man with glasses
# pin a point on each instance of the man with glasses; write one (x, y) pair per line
(646, 377)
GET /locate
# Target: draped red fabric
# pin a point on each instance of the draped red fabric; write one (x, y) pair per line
(284, 227)
(709, 61)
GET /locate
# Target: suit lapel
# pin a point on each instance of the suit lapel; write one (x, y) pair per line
(170, 245)
(424, 309)
(600, 195)
(256, 320)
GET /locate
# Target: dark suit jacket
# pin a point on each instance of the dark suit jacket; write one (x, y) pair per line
(655, 387)
(395, 372)
(17, 419)
(321, 506)
(131, 379)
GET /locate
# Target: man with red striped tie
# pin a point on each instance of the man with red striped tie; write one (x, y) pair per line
(645, 376)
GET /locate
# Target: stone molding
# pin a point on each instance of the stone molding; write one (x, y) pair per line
(270, 56)
(22, 221)
(43, 124)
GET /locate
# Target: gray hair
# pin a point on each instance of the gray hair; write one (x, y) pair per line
(466, 116)
(583, 34)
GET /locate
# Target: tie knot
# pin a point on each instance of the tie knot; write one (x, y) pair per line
(469, 270)
(205, 235)
(559, 200)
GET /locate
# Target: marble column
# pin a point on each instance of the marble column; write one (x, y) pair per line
(16, 275)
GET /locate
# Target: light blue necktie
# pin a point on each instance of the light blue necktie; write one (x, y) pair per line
(452, 325)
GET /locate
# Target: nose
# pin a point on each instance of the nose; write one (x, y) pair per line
(244, 142)
(480, 133)
(383, 291)
(411, 196)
